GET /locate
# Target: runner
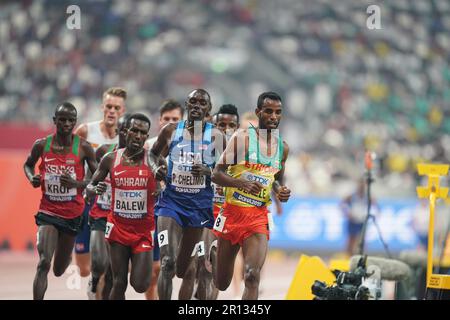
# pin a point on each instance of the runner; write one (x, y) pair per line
(61, 174)
(252, 164)
(130, 225)
(185, 205)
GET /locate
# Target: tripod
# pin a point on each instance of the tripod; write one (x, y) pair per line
(369, 181)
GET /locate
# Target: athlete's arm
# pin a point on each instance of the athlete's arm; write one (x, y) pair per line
(30, 163)
(101, 152)
(234, 150)
(160, 150)
(82, 131)
(89, 156)
(96, 185)
(278, 186)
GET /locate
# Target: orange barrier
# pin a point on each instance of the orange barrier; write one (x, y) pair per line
(19, 202)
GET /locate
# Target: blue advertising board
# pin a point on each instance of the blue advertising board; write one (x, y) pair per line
(319, 224)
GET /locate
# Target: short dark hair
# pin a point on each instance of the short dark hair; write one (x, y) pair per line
(169, 105)
(205, 92)
(65, 105)
(138, 116)
(228, 109)
(269, 94)
(123, 121)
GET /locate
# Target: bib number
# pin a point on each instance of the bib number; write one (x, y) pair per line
(163, 238)
(220, 222)
(108, 229)
(55, 191)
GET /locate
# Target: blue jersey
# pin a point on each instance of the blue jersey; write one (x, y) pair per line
(183, 191)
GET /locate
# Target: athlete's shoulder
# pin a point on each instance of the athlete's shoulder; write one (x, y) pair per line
(86, 147)
(40, 143)
(101, 151)
(82, 130)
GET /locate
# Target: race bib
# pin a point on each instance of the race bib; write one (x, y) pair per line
(201, 248)
(185, 179)
(163, 238)
(55, 191)
(220, 222)
(130, 204)
(108, 229)
(249, 176)
(104, 200)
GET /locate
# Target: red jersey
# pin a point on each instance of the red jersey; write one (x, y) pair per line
(102, 204)
(132, 216)
(67, 203)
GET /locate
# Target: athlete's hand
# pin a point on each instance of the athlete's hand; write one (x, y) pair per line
(200, 170)
(284, 193)
(36, 181)
(100, 188)
(252, 187)
(67, 181)
(160, 173)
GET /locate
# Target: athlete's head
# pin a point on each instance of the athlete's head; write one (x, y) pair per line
(268, 110)
(227, 119)
(138, 127)
(113, 105)
(198, 105)
(65, 118)
(122, 128)
(170, 112)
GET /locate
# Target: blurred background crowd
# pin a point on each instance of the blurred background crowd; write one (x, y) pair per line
(346, 88)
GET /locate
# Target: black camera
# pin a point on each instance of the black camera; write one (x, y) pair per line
(348, 285)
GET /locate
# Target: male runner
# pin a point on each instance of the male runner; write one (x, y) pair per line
(130, 225)
(98, 133)
(257, 157)
(61, 174)
(170, 112)
(185, 205)
(97, 220)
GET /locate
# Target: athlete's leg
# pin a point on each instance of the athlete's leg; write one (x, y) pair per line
(223, 272)
(63, 253)
(167, 226)
(238, 275)
(108, 279)
(99, 257)
(152, 293)
(120, 256)
(206, 289)
(47, 238)
(189, 238)
(188, 283)
(254, 250)
(141, 270)
(82, 255)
